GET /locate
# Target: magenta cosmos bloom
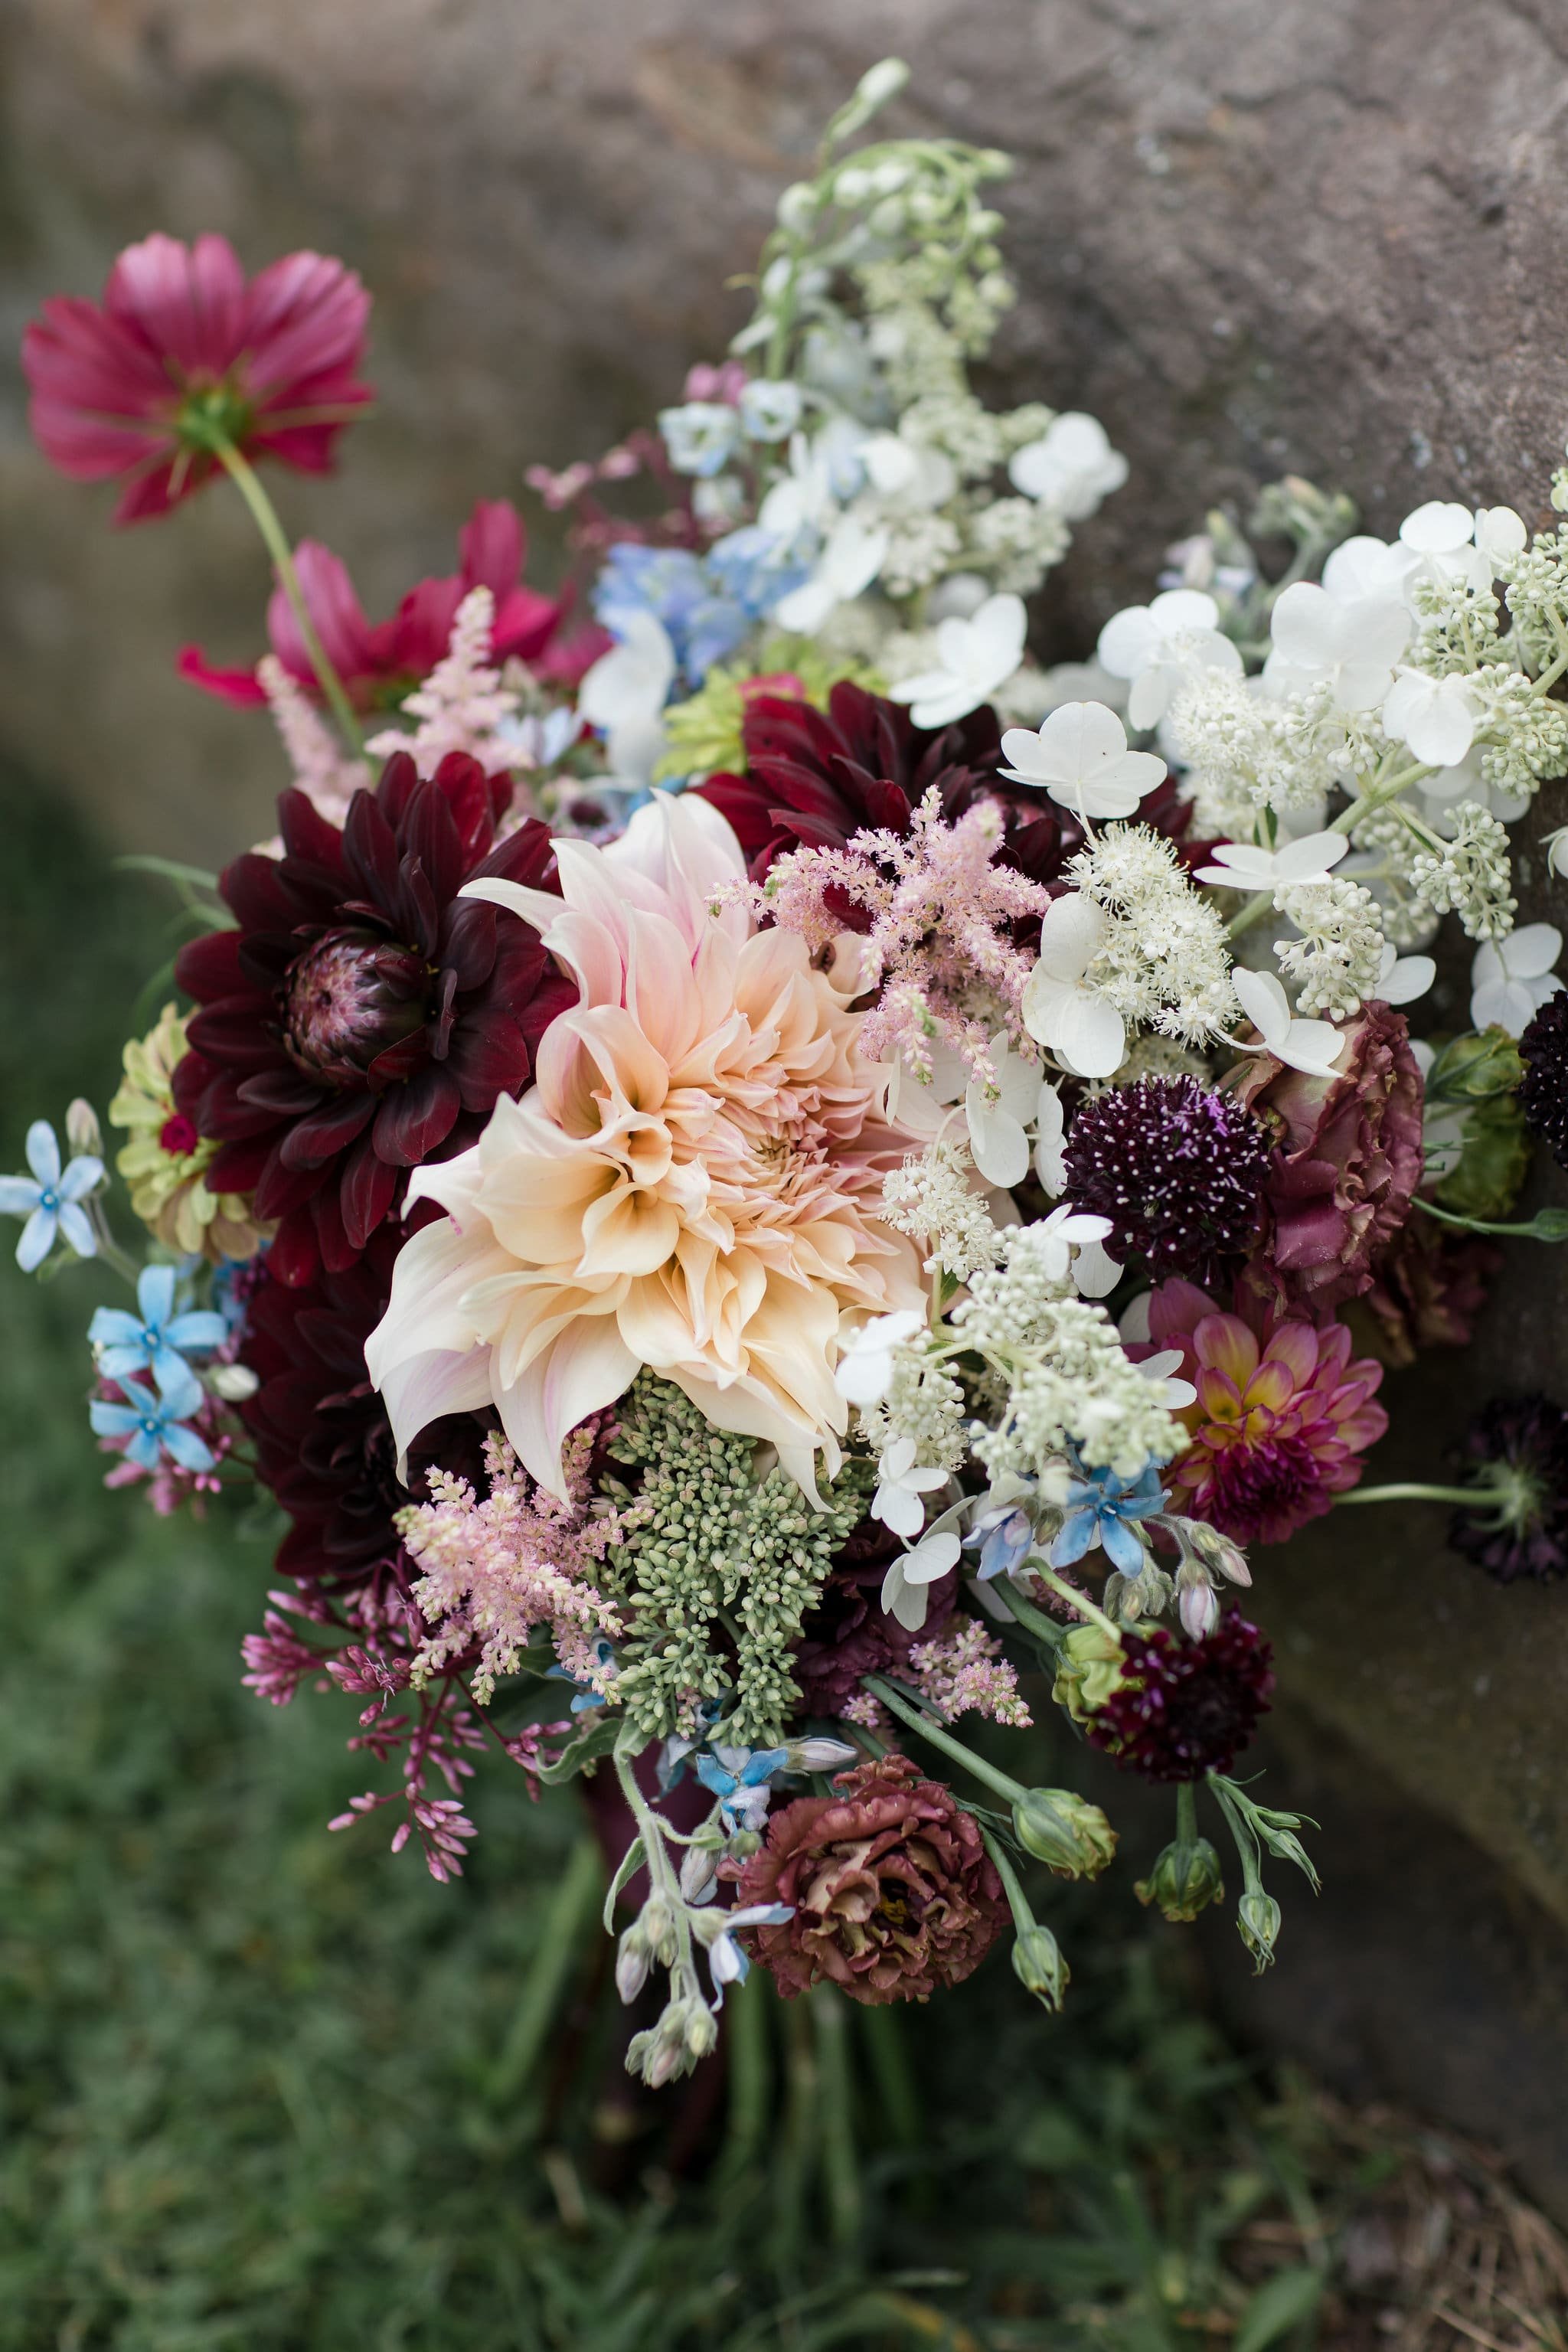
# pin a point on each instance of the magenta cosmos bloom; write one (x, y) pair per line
(1281, 1418)
(184, 349)
(381, 662)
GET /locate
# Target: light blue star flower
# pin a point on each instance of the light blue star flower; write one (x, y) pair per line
(155, 1338)
(1004, 1539)
(50, 1201)
(1100, 1507)
(155, 1423)
(739, 1778)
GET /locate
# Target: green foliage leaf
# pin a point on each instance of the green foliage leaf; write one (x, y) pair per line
(1280, 2305)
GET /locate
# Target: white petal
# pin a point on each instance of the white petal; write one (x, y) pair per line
(42, 1152)
(997, 1143)
(1305, 626)
(1090, 1037)
(1313, 1046)
(1073, 931)
(1439, 528)
(1311, 858)
(1095, 1274)
(1264, 1002)
(1406, 979)
(1128, 641)
(1532, 950)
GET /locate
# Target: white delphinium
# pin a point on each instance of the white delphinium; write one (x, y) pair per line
(1348, 645)
(1080, 756)
(1310, 1046)
(931, 1198)
(1247, 866)
(974, 657)
(1337, 960)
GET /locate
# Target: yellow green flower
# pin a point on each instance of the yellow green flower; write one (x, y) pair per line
(705, 734)
(165, 1161)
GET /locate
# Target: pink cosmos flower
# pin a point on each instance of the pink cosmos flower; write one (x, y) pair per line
(381, 662)
(693, 1184)
(183, 347)
(1280, 1419)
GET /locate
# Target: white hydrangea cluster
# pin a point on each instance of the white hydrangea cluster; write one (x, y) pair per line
(925, 1405)
(1469, 874)
(1336, 959)
(932, 1199)
(1164, 962)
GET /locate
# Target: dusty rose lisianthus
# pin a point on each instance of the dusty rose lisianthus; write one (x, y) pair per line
(691, 1185)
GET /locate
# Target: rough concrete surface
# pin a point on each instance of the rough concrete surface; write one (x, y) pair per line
(1252, 236)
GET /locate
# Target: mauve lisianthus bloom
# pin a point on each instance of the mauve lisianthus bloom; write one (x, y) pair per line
(1347, 1160)
(893, 1892)
(184, 349)
(381, 662)
(1519, 1447)
(693, 1184)
(1178, 1169)
(1280, 1421)
(849, 1633)
(323, 1444)
(361, 1014)
(1184, 1708)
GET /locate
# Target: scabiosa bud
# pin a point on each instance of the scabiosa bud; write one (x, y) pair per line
(1179, 1171)
(1186, 1880)
(1258, 1921)
(1039, 1965)
(1543, 1091)
(1064, 1831)
(1518, 1525)
(1183, 1708)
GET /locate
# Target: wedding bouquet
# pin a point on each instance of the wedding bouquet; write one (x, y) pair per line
(757, 1173)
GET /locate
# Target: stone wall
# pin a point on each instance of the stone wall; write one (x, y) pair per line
(1252, 236)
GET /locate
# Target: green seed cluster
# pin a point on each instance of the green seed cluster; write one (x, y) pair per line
(715, 1572)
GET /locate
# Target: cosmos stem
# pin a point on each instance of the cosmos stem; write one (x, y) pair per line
(1413, 1492)
(264, 514)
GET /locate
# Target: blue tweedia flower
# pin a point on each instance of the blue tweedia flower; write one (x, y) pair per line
(1099, 1509)
(675, 586)
(155, 1338)
(739, 1778)
(155, 1421)
(50, 1200)
(1004, 1539)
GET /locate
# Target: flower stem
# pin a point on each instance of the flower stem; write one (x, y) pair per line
(1081, 1601)
(264, 514)
(1186, 1813)
(1412, 1493)
(1009, 1791)
(840, 2169)
(1012, 1886)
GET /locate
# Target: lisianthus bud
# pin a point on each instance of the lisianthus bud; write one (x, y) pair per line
(656, 1921)
(1186, 1880)
(1064, 1831)
(234, 1384)
(701, 2030)
(1039, 1965)
(699, 1871)
(1196, 1600)
(1259, 1920)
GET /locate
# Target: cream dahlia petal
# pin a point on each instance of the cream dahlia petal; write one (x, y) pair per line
(587, 1367)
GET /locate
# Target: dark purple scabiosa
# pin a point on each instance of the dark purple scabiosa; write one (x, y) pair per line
(362, 1016)
(1178, 1169)
(1518, 1447)
(1184, 1708)
(1544, 1090)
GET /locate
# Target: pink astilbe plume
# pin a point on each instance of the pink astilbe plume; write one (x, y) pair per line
(462, 702)
(496, 1571)
(964, 1672)
(321, 771)
(940, 950)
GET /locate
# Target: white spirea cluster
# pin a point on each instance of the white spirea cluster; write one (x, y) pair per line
(931, 1198)
(1165, 963)
(925, 1404)
(1067, 1376)
(1470, 875)
(1338, 957)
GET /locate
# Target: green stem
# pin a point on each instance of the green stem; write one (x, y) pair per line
(1531, 1232)
(882, 2030)
(1081, 1601)
(751, 2087)
(840, 2169)
(264, 514)
(1411, 1492)
(1033, 1621)
(1186, 1813)
(1008, 1790)
(575, 1899)
(1012, 1886)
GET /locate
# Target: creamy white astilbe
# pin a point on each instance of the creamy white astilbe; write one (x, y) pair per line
(315, 758)
(1470, 874)
(932, 1197)
(1338, 958)
(1165, 963)
(462, 703)
(1067, 1376)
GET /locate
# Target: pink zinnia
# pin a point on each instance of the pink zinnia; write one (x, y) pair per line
(183, 349)
(381, 662)
(1281, 1418)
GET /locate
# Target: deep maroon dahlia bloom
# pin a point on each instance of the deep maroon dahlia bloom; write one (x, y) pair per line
(1178, 1169)
(1184, 1708)
(361, 1017)
(893, 1891)
(1544, 1090)
(185, 347)
(1519, 1447)
(323, 1443)
(814, 778)
(849, 1633)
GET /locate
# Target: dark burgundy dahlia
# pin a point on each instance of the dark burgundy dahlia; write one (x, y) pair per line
(892, 1889)
(1517, 1450)
(1177, 1168)
(1184, 1708)
(323, 1443)
(849, 1633)
(361, 1017)
(814, 778)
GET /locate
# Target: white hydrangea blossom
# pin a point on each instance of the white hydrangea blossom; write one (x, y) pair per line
(1470, 875)
(932, 1199)
(924, 1405)
(1163, 962)
(1337, 960)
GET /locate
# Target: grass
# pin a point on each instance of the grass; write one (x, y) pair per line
(265, 2087)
